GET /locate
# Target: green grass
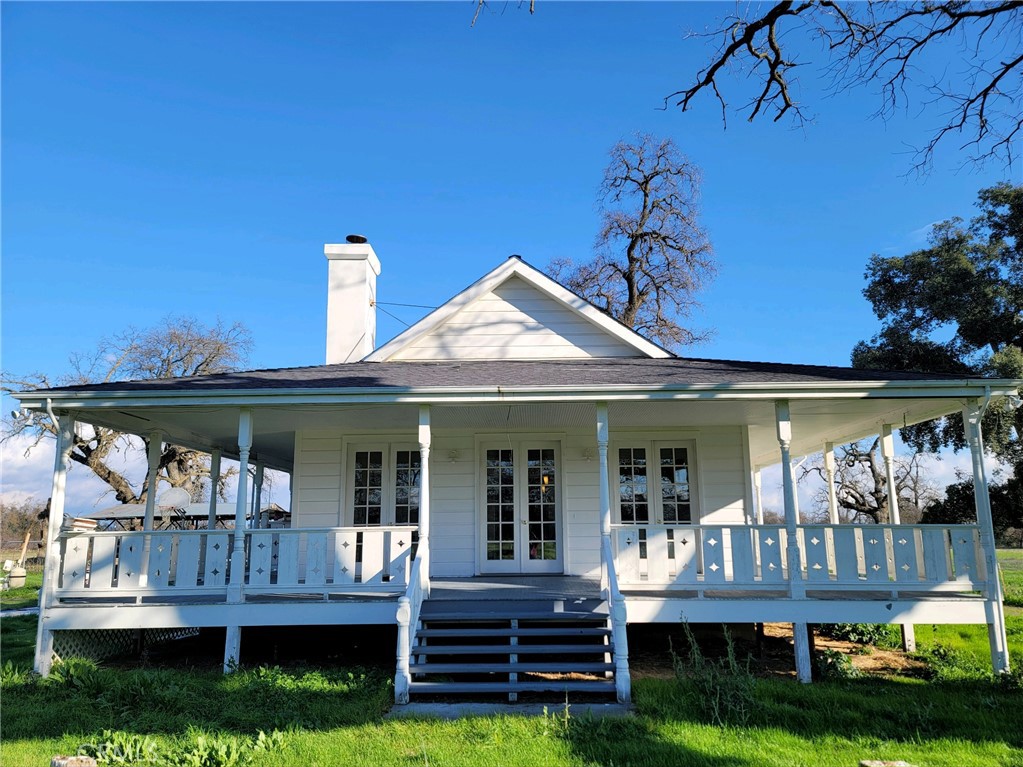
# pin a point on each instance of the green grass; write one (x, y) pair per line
(26, 596)
(1011, 564)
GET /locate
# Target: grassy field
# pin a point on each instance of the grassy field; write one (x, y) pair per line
(27, 595)
(960, 718)
(1011, 563)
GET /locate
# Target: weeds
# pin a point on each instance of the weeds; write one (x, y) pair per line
(836, 665)
(723, 690)
(202, 749)
(878, 634)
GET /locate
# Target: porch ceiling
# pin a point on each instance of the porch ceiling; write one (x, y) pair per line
(814, 421)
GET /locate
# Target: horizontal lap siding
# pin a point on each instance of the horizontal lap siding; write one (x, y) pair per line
(581, 504)
(317, 480)
(516, 321)
(453, 506)
(722, 475)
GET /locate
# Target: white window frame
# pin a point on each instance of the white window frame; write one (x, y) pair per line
(653, 443)
(389, 449)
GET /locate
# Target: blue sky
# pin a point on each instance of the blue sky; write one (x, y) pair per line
(193, 158)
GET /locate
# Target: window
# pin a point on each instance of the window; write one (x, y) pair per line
(383, 485)
(656, 483)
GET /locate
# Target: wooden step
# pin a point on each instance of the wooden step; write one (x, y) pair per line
(554, 631)
(523, 667)
(513, 649)
(575, 685)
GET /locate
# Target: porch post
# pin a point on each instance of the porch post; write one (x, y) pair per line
(829, 472)
(892, 489)
(758, 487)
(51, 561)
(888, 453)
(425, 439)
(257, 496)
(234, 589)
(972, 415)
(155, 450)
(604, 490)
(797, 590)
(214, 486)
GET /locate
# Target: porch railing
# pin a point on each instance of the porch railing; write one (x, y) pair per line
(878, 557)
(184, 562)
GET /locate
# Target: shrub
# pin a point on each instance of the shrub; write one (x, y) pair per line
(723, 690)
(948, 664)
(832, 664)
(862, 633)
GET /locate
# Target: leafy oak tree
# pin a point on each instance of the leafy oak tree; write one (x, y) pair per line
(177, 347)
(956, 307)
(652, 255)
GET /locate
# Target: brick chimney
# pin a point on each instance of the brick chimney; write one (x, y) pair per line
(352, 270)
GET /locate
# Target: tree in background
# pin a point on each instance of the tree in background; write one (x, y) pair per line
(861, 485)
(177, 347)
(958, 508)
(978, 93)
(652, 256)
(956, 307)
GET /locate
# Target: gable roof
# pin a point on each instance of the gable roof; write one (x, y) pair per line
(516, 267)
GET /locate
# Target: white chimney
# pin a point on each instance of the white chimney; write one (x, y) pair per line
(351, 299)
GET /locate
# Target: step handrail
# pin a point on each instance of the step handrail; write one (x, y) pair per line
(409, 607)
(619, 622)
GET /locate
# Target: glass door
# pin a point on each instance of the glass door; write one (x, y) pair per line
(521, 508)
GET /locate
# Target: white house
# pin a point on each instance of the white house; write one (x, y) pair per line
(512, 481)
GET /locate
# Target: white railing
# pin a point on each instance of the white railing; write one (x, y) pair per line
(183, 562)
(882, 557)
(409, 607)
(618, 618)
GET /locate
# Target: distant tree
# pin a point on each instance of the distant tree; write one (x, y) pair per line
(963, 60)
(861, 484)
(956, 307)
(652, 255)
(958, 508)
(177, 347)
(18, 517)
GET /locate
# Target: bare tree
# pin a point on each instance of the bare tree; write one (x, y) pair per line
(177, 347)
(861, 484)
(652, 256)
(978, 93)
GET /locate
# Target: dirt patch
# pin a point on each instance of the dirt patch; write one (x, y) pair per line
(651, 645)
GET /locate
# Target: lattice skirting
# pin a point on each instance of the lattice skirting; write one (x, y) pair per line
(98, 644)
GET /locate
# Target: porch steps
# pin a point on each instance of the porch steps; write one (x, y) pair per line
(481, 649)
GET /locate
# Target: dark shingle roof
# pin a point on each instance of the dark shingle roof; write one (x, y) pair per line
(488, 374)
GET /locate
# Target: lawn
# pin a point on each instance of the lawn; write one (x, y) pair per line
(1011, 563)
(337, 716)
(27, 595)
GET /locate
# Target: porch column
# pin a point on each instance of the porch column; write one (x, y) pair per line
(425, 439)
(892, 489)
(972, 415)
(214, 486)
(797, 590)
(51, 562)
(155, 450)
(234, 589)
(604, 489)
(829, 473)
(888, 453)
(257, 497)
(758, 489)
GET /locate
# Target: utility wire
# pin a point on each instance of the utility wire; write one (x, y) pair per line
(412, 306)
(393, 316)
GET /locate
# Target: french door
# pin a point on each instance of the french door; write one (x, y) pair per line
(520, 506)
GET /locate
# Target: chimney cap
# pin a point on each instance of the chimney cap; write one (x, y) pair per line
(356, 239)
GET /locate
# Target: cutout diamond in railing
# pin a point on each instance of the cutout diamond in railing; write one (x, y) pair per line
(903, 541)
(963, 540)
(76, 548)
(715, 567)
(684, 542)
(129, 573)
(628, 541)
(817, 566)
(74, 573)
(261, 546)
(344, 569)
(344, 545)
(316, 570)
(216, 571)
(771, 566)
(905, 568)
(769, 541)
(401, 543)
(815, 540)
(875, 567)
(216, 546)
(872, 541)
(260, 571)
(157, 573)
(160, 548)
(712, 541)
(131, 547)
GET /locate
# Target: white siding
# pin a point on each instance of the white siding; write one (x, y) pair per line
(516, 321)
(318, 482)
